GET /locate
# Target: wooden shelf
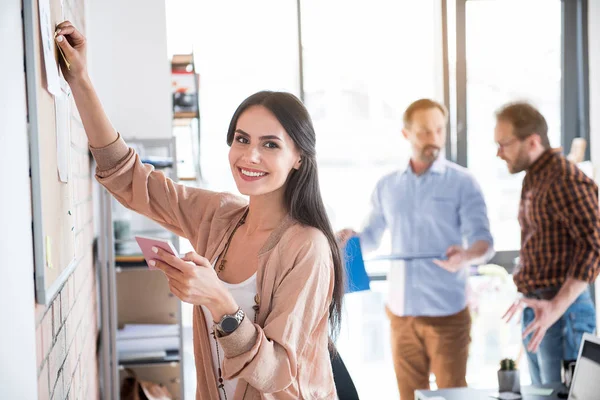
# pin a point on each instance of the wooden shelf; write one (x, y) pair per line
(182, 59)
(133, 259)
(185, 115)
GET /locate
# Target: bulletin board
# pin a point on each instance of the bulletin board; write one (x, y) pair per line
(54, 216)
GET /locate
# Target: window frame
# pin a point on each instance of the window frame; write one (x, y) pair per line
(574, 87)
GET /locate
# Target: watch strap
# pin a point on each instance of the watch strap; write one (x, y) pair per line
(238, 316)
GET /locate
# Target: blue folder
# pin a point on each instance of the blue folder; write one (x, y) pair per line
(356, 276)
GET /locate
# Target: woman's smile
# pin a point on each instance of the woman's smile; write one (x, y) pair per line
(250, 175)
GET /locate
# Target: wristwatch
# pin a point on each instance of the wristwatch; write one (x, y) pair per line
(229, 323)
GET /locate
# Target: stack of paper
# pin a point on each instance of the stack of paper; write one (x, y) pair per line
(147, 341)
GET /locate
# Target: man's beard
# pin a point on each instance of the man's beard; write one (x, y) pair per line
(521, 163)
(429, 153)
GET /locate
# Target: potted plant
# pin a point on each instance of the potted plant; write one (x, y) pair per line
(508, 376)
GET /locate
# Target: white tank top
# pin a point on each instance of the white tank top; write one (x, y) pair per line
(244, 294)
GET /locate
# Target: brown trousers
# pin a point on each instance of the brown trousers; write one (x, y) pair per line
(421, 345)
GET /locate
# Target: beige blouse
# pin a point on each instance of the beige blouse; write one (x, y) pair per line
(285, 354)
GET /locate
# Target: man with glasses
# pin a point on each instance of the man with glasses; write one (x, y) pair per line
(432, 206)
(560, 242)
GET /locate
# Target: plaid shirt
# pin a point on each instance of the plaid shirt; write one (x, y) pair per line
(560, 225)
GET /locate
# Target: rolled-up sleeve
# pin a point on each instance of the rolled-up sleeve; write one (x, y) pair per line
(141, 188)
(474, 222)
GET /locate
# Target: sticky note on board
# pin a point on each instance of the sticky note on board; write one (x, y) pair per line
(49, 253)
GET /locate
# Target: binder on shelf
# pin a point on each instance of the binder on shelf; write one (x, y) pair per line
(184, 84)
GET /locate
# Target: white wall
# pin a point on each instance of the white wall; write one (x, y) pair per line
(594, 71)
(131, 69)
(18, 375)
(237, 54)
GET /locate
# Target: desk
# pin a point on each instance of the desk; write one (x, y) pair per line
(482, 394)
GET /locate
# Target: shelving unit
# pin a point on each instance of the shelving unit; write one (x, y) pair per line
(132, 294)
(186, 114)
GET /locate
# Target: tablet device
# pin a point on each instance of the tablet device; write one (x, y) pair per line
(146, 244)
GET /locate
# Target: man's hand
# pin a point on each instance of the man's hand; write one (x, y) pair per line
(343, 236)
(546, 314)
(458, 258)
(515, 309)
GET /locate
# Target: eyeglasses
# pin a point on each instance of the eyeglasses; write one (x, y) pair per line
(502, 146)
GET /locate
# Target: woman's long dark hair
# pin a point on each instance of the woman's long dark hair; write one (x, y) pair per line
(302, 193)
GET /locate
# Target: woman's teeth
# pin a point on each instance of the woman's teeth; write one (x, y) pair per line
(253, 174)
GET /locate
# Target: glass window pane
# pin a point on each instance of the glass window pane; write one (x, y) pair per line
(237, 54)
(359, 75)
(511, 55)
(513, 50)
(363, 64)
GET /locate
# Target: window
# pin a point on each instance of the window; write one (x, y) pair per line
(237, 54)
(357, 66)
(513, 52)
(363, 64)
(510, 55)
(501, 51)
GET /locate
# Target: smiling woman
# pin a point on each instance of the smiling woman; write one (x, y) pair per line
(251, 317)
(261, 151)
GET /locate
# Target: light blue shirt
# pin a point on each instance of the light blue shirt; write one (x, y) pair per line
(427, 214)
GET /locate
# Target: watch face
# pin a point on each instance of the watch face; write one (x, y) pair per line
(229, 324)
